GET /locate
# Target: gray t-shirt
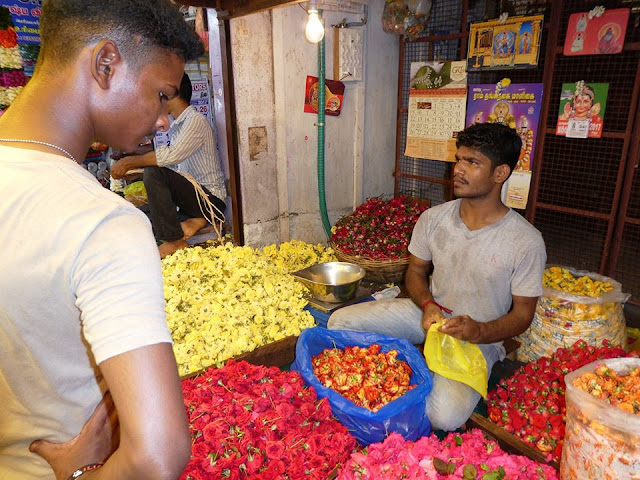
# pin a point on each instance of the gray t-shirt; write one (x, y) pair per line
(477, 271)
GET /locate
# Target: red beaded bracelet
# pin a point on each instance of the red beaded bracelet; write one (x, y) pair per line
(431, 300)
(85, 469)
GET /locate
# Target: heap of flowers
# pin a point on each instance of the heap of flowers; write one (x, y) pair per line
(531, 403)
(226, 300)
(365, 375)
(12, 77)
(378, 229)
(258, 422)
(466, 456)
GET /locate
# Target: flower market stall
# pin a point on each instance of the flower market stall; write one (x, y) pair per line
(230, 305)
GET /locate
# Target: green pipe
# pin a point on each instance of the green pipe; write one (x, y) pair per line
(321, 106)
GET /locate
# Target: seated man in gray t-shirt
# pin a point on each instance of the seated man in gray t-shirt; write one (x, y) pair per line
(486, 262)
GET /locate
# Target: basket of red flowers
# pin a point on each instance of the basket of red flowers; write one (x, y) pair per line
(376, 236)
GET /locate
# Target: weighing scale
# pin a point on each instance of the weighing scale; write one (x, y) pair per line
(329, 308)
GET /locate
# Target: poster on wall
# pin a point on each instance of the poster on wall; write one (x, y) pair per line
(598, 32)
(511, 42)
(437, 102)
(582, 107)
(517, 106)
(26, 18)
(333, 96)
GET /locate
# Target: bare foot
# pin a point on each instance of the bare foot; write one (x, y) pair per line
(167, 248)
(191, 226)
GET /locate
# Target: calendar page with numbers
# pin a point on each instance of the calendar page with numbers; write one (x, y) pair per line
(437, 107)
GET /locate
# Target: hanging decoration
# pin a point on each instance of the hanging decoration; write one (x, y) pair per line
(406, 17)
(582, 108)
(598, 32)
(505, 43)
(334, 93)
(12, 77)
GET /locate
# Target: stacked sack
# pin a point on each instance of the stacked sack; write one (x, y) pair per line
(575, 305)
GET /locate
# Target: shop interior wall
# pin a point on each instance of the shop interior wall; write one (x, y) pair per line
(585, 194)
(277, 141)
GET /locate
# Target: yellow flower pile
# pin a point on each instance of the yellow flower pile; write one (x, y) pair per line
(226, 300)
(560, 278)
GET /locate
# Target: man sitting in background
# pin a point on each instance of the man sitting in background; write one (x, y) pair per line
(487, 264)
(183, 177)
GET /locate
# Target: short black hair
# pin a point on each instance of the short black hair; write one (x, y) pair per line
(185, 88)
(501, 144)
(138, 27)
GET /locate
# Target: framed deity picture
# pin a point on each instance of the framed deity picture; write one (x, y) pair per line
(591, 34)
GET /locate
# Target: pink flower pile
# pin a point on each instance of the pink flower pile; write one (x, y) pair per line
(259, 422)
(464, 456)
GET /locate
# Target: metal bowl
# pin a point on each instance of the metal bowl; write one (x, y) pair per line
(332, 282)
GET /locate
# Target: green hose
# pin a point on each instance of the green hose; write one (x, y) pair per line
(321, 106)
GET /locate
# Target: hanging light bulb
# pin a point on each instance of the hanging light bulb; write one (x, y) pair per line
(314, 31)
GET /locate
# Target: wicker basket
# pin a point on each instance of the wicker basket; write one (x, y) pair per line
(379, 271)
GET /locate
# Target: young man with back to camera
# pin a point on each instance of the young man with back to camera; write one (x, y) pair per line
(486, 262)
(81, 291)
(186, 174)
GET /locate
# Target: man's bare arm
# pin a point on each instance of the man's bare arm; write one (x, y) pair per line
(418, 289)
(154, 436)
(121, 167)
(509, 325)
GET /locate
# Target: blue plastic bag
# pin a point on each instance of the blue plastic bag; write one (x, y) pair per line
(404, 415)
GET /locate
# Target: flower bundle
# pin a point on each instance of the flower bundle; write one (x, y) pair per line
(12, 77)
(620, 390)
(531, 403)
(365, 375)
(224, 301)
(466, 456)
(378, 229)
(259, 422)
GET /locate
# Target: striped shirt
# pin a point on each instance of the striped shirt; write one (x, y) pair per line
(192, 149)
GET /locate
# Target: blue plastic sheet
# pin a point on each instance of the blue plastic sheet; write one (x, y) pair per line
(405, 415)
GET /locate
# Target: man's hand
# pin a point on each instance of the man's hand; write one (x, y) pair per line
(431, 315)
(120, 169)
(97, 440)
(463, 327)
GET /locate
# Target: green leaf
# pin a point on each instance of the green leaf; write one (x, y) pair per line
(441, 466)
(469, 472)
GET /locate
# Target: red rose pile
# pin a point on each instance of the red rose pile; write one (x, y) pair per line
(378, 229)
(258, 422)
(531, 403)
(366, 376)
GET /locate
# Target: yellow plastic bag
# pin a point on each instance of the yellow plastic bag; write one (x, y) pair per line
(136, 193)
(457, 360)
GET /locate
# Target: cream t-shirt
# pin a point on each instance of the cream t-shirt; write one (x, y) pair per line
(80, 282)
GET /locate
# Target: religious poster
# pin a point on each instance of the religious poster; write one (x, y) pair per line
(517, 106)
(598, 32)
(505, 43)
(333, 95)
(26, 18)
(437, 102)
(582, 107)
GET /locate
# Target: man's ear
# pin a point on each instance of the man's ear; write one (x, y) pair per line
(105, 59)
(501, 173)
